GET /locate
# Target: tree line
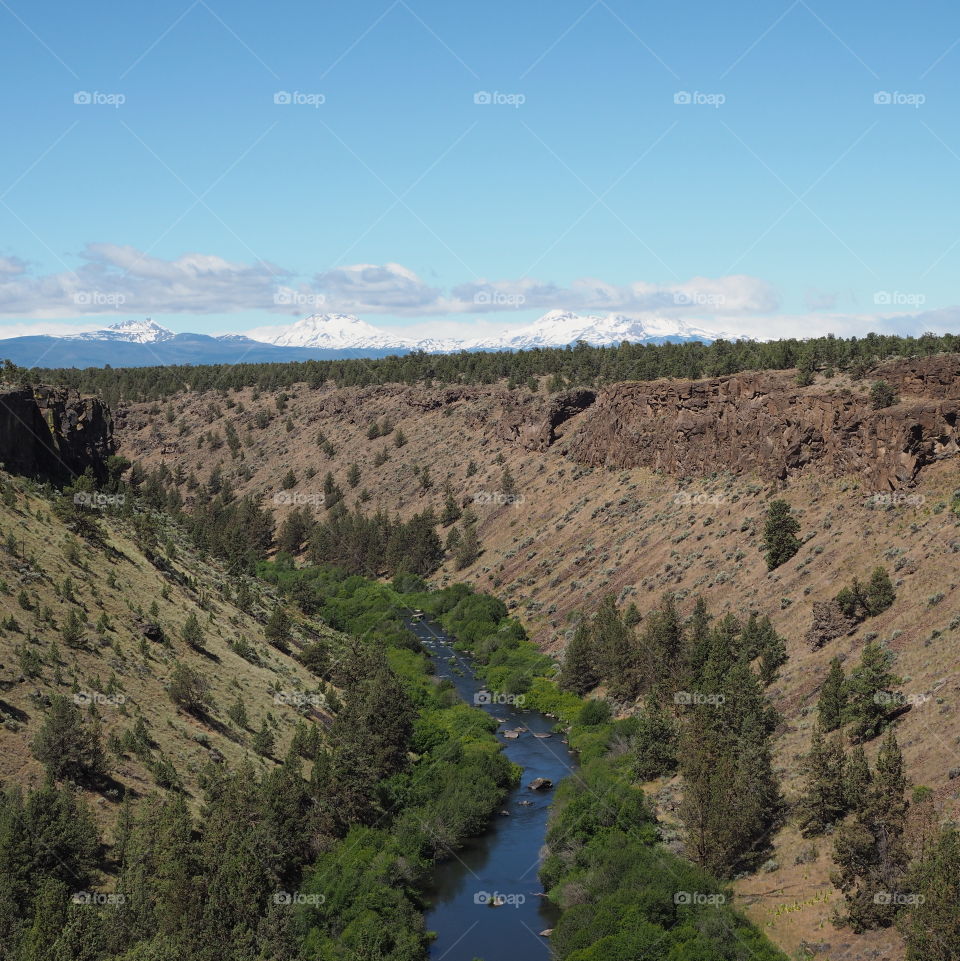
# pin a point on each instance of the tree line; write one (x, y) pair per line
(577, 365)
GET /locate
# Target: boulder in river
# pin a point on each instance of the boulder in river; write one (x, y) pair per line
(540, 784)
(546, 932)
(513, 735)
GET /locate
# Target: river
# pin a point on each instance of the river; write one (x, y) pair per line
(503, 862)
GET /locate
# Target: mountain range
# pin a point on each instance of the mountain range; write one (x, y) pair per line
(141, 343)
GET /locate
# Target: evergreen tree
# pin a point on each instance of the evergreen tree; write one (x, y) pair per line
(655, 742)
(578, 673)
(264, 740)
(192, 632)
(780, 541)
(870, 852)
(880, 594)
(277, 629)
(931, 924)
(871, 692)
(824, 801)
(451, 510)
(857, 779)
(832, 705)
(468, 548)
(69, 746)
(189, 689)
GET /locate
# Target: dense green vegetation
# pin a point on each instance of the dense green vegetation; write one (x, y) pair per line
(323, 857)
(633, 899)
(579, 365)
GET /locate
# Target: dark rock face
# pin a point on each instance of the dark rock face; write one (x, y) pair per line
(763, 424)
(531, 420)
(52, 433)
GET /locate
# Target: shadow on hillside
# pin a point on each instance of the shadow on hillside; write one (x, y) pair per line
(9, 711)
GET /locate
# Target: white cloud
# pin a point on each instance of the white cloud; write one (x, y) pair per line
(117, 281)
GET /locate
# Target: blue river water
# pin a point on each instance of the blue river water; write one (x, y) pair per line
(502, 863)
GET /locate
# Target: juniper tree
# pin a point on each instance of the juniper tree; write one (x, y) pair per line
(824, 800)
(832, 704)
(192, 632)
(68, 745)
(654, 742)
(578, 673)
(931, 924)
(870, 692)
(780, 541)
(880, 593)
(870, 851)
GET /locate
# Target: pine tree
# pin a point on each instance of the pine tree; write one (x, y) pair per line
(880, 594)
(69, 746)
(931, 924)
(264, 740)
(655, 742)
(353, 475)
(824, 801)
(780, 541)
(870, 852)
(870, 692)
(857, 779)
(578, 673)
(832, 704)
(277, 629)
(468, 548)
(192, 632)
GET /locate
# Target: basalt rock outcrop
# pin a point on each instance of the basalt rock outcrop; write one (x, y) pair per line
(762, 423)
(532, 421)
(54, 434)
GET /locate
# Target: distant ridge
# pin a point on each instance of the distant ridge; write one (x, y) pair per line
(144, 343)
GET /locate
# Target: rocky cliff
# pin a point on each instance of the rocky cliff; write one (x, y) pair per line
(52, 433)
(763, 423)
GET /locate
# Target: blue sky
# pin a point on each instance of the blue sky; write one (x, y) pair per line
(782, 197)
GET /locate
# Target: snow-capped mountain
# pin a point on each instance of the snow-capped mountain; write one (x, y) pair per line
(129, 331)
(557, 328)
(331, 332)
(139, 343)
